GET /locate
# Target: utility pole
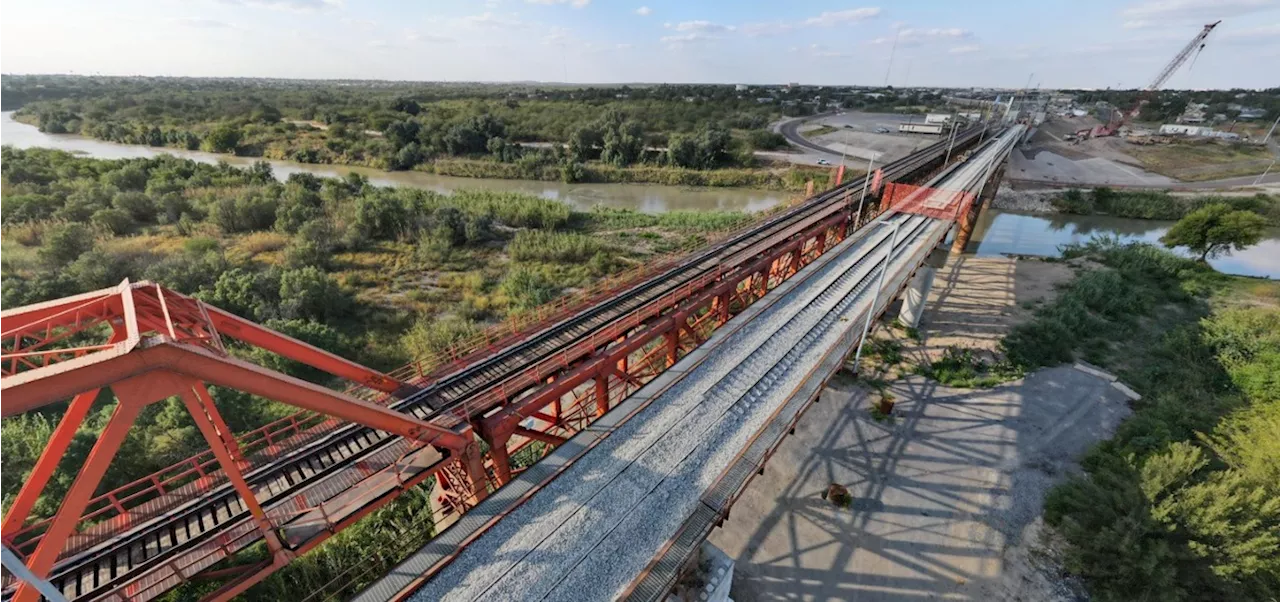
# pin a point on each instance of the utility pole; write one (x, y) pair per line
(892, 51)
(1264, 174)
(871, 311)
(952, 143)
(1271, 131)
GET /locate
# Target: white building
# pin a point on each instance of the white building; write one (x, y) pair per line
(1173, 129)
(937, 118)
(1200, 131)
(1194, 113)
(740, 88)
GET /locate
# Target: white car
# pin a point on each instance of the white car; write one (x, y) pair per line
(823, 162)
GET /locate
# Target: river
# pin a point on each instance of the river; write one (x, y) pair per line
(641, 197)
(996, 233)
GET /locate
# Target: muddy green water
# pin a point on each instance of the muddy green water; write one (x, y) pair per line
(641, 197)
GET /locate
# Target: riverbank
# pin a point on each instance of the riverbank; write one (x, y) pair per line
(1179, 503)
(649, 198)
(1136, 204)
(304, 144)
(792, 178)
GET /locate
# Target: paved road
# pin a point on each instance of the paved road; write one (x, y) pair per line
(791, 130)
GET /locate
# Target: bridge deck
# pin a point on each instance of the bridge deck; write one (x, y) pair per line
(588, 533)
(670, 462)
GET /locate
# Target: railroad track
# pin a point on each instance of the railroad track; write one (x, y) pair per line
(218, 524)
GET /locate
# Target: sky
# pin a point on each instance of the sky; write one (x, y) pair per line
(986, 43)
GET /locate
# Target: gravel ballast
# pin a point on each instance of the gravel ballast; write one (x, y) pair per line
(590, 531)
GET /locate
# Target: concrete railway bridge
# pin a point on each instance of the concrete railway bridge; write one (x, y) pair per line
(582, 452)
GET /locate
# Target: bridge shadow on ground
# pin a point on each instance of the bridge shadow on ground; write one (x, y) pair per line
(942, 491)
(975, 301)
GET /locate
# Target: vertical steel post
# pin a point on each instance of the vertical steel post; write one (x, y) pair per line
(602, 393)
(871, 311)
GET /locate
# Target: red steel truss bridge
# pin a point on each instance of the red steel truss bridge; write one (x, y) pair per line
(465, 423)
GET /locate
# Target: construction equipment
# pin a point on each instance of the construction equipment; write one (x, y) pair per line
(1120, 119)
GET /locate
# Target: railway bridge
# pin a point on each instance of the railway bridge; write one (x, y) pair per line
(583, 451)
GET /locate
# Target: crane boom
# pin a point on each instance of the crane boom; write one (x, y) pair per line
(1181, 57)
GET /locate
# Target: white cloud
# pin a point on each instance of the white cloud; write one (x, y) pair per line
(853, 15)
(821, 51)
(416, 36)
(966, 49)
(914, 37)
(379, 44)
(488, 20)
(826, 19)
(686, 39)
(557, 35)
(203, 23)
(298, 5)
(700, 26)
(361, 24)
(573, 3)
(621, 46)
(644, 11)
(1165, 12)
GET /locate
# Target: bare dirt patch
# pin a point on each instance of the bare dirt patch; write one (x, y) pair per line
(975, 301)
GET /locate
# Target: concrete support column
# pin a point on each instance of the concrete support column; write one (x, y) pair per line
(915, 297)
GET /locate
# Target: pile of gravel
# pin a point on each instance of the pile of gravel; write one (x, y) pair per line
(1025, 201)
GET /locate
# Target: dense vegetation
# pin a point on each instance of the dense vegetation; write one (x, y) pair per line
(1154, 204)
(1184, 502)
(379, 275)
(663, 134)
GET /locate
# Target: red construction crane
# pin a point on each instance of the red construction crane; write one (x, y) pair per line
(1118, 121)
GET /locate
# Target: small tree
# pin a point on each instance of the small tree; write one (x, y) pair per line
(1215, 230)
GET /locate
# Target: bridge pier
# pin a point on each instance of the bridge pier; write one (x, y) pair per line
(917, 293)
(964, 225)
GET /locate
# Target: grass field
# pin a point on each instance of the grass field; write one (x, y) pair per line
(1196, 161)
(821, 130)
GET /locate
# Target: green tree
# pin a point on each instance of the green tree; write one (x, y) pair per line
(223, 138)
(309, 293)
(116, 221)
(1215, 230)
(65, 242)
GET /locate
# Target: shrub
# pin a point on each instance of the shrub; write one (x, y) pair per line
(430, 337)
(310, 293)
(139, 206)
(527, 288)
(561, 247)
(63, 243)
(115, 221)
(246, 212)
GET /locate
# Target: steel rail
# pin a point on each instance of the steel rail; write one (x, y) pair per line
(744, 244)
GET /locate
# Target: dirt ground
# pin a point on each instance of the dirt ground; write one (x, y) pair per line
(974, 302)
(946, 493)
(1117, 161)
